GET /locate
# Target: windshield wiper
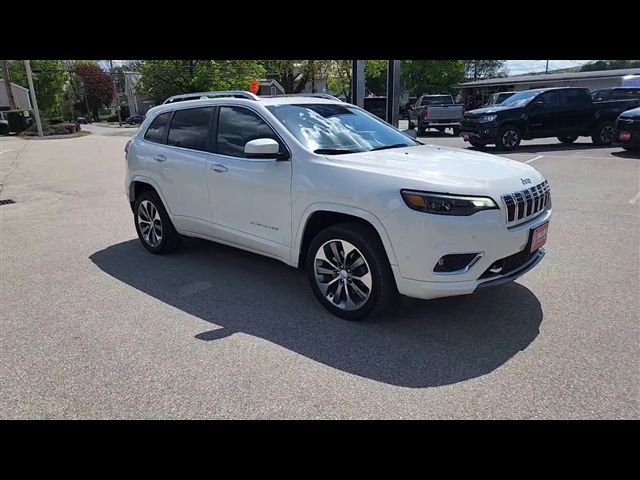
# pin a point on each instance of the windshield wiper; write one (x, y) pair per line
(395, 145)
(335, 151)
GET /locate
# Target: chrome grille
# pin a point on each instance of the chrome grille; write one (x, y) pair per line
(527, 203)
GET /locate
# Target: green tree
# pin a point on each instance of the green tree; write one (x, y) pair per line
(609, 65)
(49, 79)
(481, 69)
(339, 76)
(163, 78)
(97, 84)
(431, 76)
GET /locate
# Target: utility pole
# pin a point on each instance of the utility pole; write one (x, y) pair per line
(546, 70)
(115, 88)
(7, 84)
(27, 67)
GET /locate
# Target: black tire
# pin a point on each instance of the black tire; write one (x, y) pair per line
(509, 137)
(632, 149)
(421, 131)
(383, 292)
(602, 135)
(476, 144)
(568, 140)
(441, 129)
(456, 131)
(169, 238)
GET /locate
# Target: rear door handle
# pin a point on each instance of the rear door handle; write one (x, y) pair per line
(160, 158)
(216, 167)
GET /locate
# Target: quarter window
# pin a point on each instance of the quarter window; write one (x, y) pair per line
(155, 131)
(190, 128)
(236, 127)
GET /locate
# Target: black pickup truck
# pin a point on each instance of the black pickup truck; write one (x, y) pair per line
(565, 113)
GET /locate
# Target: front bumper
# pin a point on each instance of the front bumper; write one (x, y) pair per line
(479, 132)
(420, 239)
(633, 142)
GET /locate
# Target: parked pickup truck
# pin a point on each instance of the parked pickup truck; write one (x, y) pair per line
(565, 113)
(436, 111)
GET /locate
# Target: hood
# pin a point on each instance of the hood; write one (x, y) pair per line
(444, 170)
(484, 111)
(633, 113)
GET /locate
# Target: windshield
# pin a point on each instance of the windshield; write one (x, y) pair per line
(520, 99)
(437, 100)
(335, 129)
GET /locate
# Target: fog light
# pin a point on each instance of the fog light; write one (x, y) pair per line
(456, 263)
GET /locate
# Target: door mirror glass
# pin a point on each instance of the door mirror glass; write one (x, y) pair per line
(262, 148)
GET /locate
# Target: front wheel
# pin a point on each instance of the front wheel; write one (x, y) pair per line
(567, 140)
(154, 227)
(456, 131)
(603, 134)
(509, 138)
(349, 271)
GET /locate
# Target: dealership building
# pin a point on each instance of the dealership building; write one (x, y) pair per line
(478, 91)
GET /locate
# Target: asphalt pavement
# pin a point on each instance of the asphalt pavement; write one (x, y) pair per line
(93, 326)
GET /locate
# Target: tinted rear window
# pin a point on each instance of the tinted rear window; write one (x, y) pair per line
(156, 130)
(190, 128)
(445, 100)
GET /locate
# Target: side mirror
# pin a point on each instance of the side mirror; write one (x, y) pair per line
(262, 148)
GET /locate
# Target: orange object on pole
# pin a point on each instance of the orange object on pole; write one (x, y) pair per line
(254, 87)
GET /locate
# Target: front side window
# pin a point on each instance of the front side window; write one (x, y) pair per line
(549, 100)
(236, 127)
(190, 128)
(334, 129)
(155, 131)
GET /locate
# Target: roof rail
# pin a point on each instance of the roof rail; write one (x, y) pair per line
(199, 95)
(317, 95)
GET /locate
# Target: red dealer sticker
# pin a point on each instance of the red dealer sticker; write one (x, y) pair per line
(539, 237)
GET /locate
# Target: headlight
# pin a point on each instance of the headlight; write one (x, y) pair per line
(440, 204)
(488, 118)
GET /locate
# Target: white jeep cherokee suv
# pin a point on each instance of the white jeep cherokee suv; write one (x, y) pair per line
(314, 182)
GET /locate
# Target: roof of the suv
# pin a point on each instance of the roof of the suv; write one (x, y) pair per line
(266, 101)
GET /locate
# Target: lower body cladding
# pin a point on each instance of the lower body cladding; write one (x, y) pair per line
(491, 252)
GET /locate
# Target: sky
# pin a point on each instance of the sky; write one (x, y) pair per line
(518, 67)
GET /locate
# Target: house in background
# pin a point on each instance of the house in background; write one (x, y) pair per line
(138, 104)
(20, 94)
(270, 86)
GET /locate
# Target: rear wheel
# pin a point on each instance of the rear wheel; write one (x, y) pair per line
(570, 139)
(154, 227)
(456, 131)
(349, 271)
(509, 138)
(603, 134)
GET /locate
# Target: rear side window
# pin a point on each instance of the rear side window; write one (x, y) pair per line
(576, 99)
(626, 93)
(190, 128)
(236, 127)
(155, 131)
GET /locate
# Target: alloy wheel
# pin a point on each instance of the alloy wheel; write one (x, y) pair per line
(343, 274)
(510, 138)
(150, 223)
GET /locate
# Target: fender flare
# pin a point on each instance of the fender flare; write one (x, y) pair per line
(337, 208)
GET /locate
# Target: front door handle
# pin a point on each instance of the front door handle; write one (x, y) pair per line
(160, 158)
(216, 167)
